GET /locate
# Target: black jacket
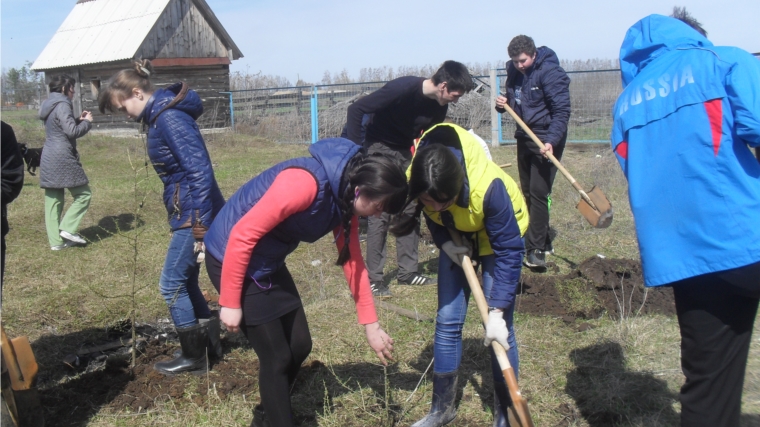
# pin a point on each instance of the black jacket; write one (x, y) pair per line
(545, 98)
(12, 171)
(395, 114)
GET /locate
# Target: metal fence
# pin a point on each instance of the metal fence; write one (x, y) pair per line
(592, 96)
(310, 113)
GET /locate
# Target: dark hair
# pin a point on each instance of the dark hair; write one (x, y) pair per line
(61, 83)
(379, 178)
(682, 15)
(435, 171)
(456, 76)
(521, 44)
(120, 86)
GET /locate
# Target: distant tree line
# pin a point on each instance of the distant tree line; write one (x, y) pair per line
(245, 80)
(22, 86)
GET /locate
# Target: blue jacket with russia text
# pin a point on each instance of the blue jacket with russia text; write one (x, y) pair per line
(681, 131)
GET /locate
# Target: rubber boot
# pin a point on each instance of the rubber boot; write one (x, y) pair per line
(260, 417)
(443, 410)
(194, 341)
(501, 402)
(214, 337)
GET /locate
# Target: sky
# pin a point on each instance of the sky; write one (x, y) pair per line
(304, 38)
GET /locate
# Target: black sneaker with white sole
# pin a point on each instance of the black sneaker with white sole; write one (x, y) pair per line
(535, 259)
(417, 280)
(380, 289)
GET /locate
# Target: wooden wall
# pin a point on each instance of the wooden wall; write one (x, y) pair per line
(182, 32)
(207, 81)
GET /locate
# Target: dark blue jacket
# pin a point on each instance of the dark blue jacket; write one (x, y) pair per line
(328, 161)
(179, 156)
(544, 100)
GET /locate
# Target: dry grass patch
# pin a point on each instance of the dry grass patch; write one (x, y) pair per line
(622, 372)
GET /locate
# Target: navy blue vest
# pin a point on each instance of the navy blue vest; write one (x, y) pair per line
(321, 217)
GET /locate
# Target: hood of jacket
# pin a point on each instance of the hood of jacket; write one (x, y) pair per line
(544, 55)
(50, 103)
(333, 154)
(652, 37)
(177, 96)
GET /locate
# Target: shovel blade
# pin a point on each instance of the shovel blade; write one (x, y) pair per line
(26, 362)
(601, 217)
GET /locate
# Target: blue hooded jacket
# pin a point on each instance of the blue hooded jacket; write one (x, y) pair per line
(681, 131)
(179, 156)
(328, 161)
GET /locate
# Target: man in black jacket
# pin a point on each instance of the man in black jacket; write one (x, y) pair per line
(538, 90)
(388, 121)
(12, 178)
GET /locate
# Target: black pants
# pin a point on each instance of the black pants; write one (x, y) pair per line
(536, 179)
(716, 313)
(282, 345)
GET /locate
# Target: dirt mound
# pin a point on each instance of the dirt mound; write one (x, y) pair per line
(597, 286)
(109, 383)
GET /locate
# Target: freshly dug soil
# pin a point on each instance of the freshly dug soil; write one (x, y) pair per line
(615, 285)
(73, 394)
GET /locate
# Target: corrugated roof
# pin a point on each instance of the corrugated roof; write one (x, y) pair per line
(100, 31)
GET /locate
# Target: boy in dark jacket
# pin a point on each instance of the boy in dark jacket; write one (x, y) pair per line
(388, 121)
(538, 90)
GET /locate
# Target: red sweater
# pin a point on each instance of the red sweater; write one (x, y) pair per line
(293, 191)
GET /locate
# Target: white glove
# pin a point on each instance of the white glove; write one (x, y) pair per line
(496, 329)
(453, 251)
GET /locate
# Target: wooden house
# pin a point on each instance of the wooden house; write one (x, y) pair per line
(183, 39)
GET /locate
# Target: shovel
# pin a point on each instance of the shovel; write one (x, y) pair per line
(22, 369)
(519, 414)
(594, 205)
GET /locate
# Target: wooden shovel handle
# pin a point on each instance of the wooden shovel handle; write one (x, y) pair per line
(518, 402)
(550, 156)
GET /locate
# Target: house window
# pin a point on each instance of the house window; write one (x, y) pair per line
(95, 86)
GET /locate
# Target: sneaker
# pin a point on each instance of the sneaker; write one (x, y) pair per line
(73, 237)
(535, 259)
(418, 280)
(380, 289)
(61, 247)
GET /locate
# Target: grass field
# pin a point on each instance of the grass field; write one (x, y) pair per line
(619, 372)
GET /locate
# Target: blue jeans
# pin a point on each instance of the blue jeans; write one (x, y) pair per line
(179, 281)
(453, 296)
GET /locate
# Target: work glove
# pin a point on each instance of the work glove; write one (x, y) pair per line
(453, 251)
(496, 329)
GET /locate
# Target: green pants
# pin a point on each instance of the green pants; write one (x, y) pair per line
(54, 208)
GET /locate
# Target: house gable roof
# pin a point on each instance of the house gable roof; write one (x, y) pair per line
(98, 31)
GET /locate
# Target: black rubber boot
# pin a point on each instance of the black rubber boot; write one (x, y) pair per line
(443, 410)
(214, 337)
(260, 417)
(501, 401)
(193, 341)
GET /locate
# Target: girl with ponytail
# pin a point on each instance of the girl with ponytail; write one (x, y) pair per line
(191, 196)
(299, 200)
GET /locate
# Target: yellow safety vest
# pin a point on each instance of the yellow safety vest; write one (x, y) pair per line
(480, 174)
